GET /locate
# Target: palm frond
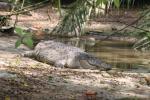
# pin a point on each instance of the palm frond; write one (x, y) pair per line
(73, 22)
(144, 43)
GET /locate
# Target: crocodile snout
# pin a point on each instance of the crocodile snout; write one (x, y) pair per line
(105, 66)
(99, 64)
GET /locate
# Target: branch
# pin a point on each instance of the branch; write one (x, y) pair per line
(30, 8)
(135, 27)
(131, 24)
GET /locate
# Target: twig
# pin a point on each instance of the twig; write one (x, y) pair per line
(48, 10)
(135, 27)
(30, 8)
(131, 24)
(18, 14)
(16, 20)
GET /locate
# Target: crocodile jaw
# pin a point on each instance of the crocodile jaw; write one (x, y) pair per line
(86, 65)
(99, 64)
(86, 61)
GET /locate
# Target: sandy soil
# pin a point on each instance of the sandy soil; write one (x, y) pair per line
(26, 79)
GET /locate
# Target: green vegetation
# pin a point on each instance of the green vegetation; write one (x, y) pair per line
(72, 24)
(24, 38)
(144, 24)
(73, 21)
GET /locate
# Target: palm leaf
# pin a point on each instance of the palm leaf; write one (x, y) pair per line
(73, 22)
(144, 43)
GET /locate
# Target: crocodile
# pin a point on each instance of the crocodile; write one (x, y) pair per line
(65, 56)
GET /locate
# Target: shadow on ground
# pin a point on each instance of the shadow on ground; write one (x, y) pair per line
(26, 79)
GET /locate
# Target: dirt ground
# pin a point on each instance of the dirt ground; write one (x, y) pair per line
(26, 79)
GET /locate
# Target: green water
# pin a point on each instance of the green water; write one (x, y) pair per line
(119, 54)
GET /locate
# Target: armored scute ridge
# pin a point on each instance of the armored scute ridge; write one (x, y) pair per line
(62, 55)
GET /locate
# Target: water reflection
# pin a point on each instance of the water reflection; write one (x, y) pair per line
(119, 54)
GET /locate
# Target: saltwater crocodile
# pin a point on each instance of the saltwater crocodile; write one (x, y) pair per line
(63, 55)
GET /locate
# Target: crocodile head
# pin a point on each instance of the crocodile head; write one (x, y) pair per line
(93, 62)
(99, 64)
